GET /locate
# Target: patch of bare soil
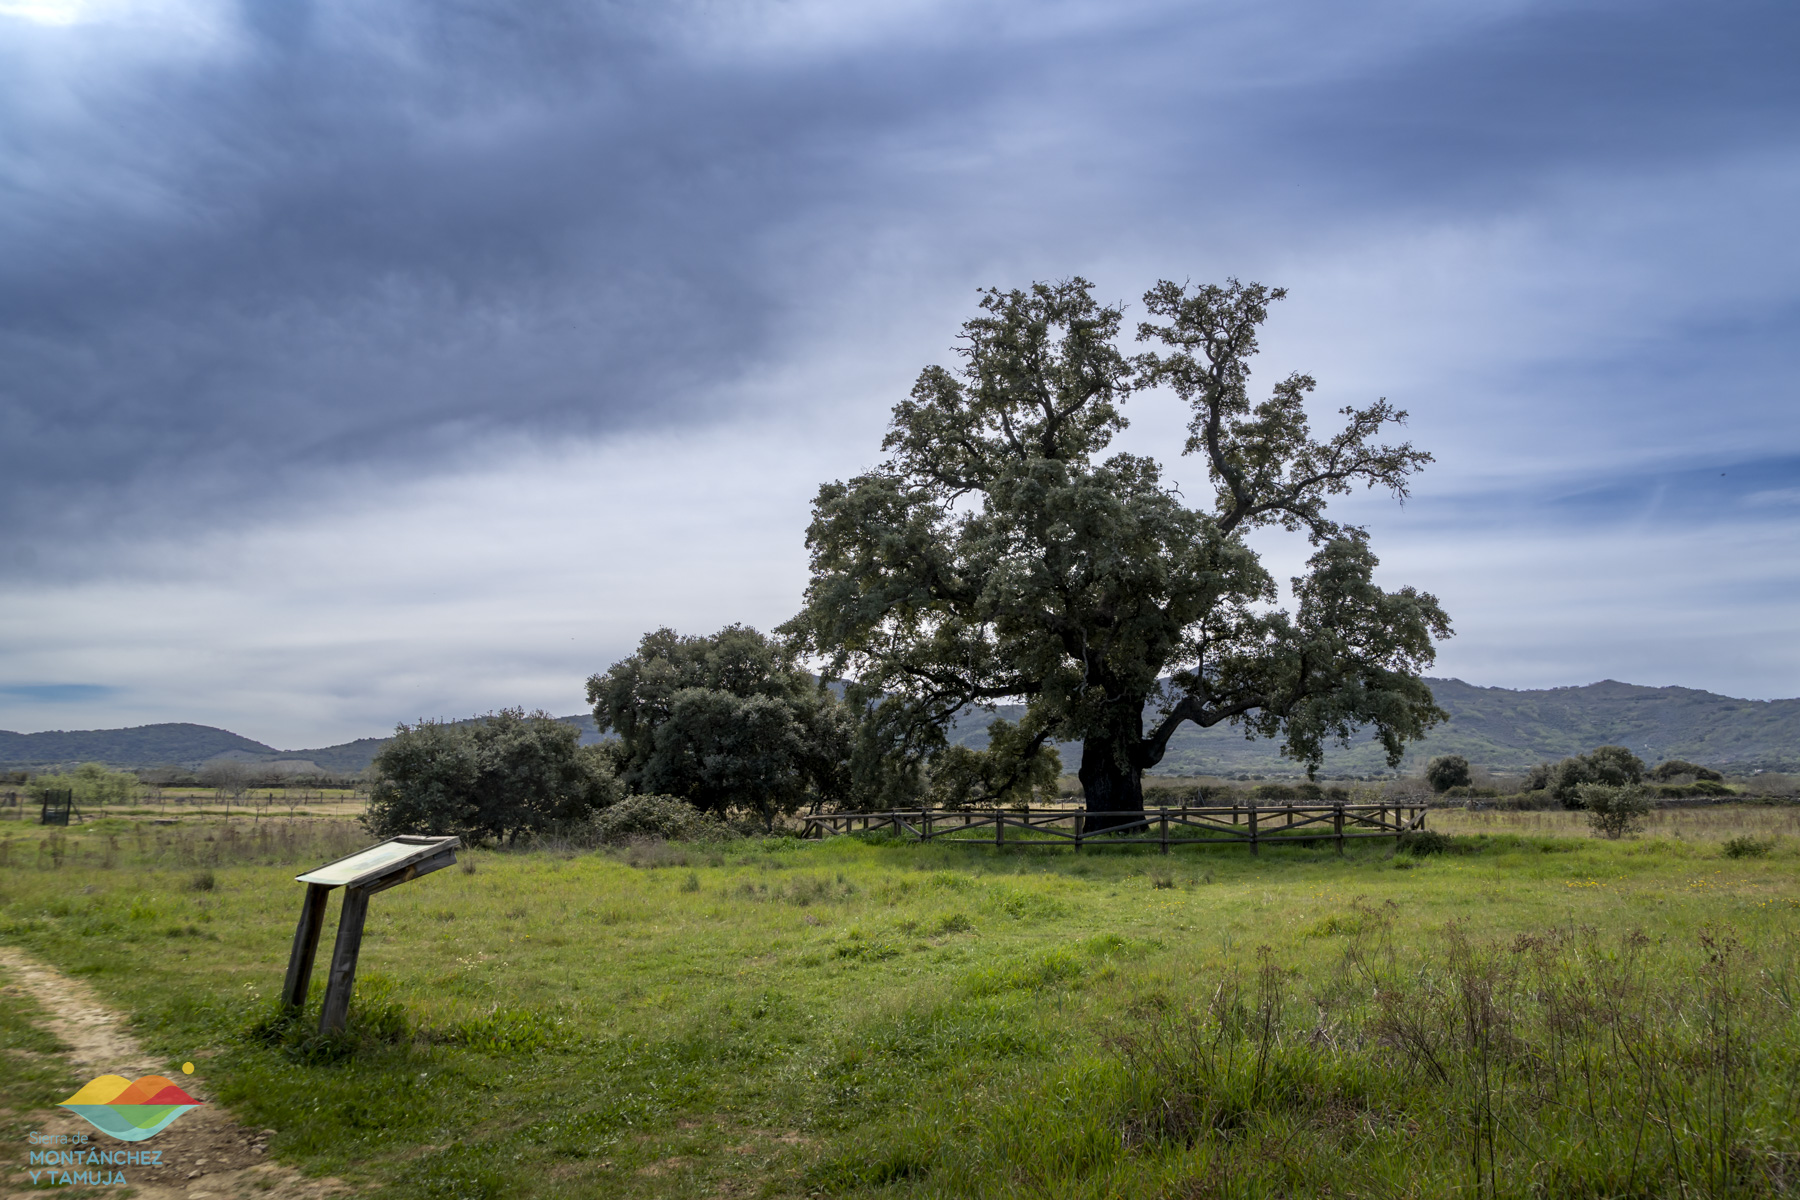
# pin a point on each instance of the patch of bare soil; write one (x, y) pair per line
(206, 1153)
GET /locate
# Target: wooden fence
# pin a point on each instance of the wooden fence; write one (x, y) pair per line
(1235, 825)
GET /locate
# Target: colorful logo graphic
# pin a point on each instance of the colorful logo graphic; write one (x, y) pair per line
(130, 1111)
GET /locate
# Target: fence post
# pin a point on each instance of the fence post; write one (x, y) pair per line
(925, 821)
(1078, 818)
(1165, 831)
(999, 826)
(1254, 847)
(1337, 825)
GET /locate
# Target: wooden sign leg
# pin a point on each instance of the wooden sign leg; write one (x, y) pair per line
(306, 946)
(342, 977)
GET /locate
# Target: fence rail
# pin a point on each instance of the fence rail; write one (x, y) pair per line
(1238, 824)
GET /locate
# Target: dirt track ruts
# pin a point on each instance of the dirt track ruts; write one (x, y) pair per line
(206, 1153)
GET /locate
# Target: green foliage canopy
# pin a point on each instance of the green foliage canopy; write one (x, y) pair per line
(723, 721)
(1609, 766)
(1614, 809)
(92, 784)
(492, 777)
(1006, 773)
(1675, 768)
(663, 817)
(1447, 771)
(997, 555)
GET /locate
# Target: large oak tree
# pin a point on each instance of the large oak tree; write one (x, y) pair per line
(997, 556)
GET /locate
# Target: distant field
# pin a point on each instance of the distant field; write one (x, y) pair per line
(1537, 1013)
(176, 803)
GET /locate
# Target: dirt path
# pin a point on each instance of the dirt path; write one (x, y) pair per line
(204, 1154)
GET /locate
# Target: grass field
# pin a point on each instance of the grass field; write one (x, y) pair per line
(1535, 1013)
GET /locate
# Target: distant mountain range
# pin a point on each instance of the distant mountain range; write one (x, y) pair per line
(1494, 727)
(175, 744)
(1502, 728)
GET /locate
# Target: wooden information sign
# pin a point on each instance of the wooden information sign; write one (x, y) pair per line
(361, 875)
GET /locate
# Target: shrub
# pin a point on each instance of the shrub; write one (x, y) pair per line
(1702, 787)
(492, 777)
(1675, 768)
(731, 721)
(1746, 846)
(1612, 766)
(1427, 841)
(1447, 771)
(1614, 810)
(91, 784)
(665, 817)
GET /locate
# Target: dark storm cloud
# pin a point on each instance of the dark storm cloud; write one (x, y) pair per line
(384, 235)
(1479, 119)
(329, 247)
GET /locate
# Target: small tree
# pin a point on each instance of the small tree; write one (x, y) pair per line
(1614, 810)
(724, 721)
(490, 777)
(1447, 771)
(1613, 766)
(720, 751)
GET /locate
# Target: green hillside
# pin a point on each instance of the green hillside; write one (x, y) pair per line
(1503, 728)
(139, 746)
(1494, 727)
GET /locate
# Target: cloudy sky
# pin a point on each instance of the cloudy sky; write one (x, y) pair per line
(368, 361)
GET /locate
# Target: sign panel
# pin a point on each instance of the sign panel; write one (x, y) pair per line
(377, 860)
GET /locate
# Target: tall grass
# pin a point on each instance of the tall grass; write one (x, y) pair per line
(276, 842)
(1555, 1063)
(1711, 823)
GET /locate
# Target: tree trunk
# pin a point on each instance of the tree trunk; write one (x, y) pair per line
(1109, 783)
